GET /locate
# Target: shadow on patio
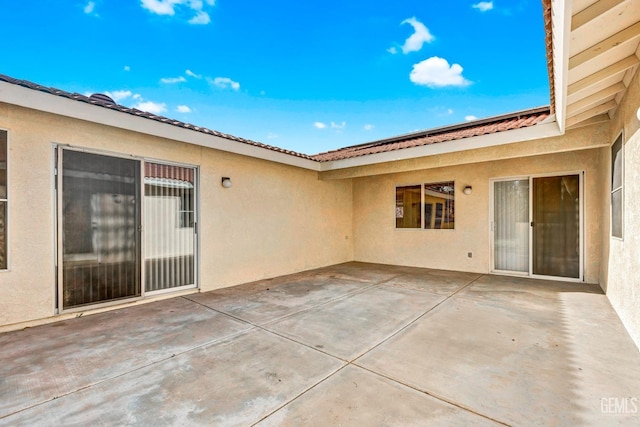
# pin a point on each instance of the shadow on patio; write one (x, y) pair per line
(351, 344)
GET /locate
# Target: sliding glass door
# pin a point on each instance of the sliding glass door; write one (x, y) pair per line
(556, 226)
(170, 226)
(125, 227)
(511, 225)
(536, 226)
(100, 223)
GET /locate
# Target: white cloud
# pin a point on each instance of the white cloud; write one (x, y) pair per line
(201, 18)
(436, 72)
(272, 135)
(225, 83)
(368, 127)
(449, 111)
(168, 7)
(183, 109)
(171, 80)
(320, 125)
(119, 95)
(160, 7)
(418, 38)
(151, 107)
(483, 6)
(89, 7)
(338, 125)
(137, 96)
(470, 118)
(192, 74)
(127, 68)
(392, 50)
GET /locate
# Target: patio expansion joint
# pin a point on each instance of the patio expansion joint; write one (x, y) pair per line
(130, 371)
(299, 395)
(353, 362)
(445, 299)
(434, 395)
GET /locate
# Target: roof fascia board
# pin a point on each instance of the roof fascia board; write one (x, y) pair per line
(538, 131)
(49, 103)
(561, 24)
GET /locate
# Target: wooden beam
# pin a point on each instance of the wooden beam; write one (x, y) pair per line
(605, 73)
(592, 12)
(597, 49)
(578, 106)
(600, 118)
(600, 109)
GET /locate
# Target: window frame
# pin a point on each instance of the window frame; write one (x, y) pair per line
(5, 200)
(420, 207)
(619, 189)
(422, 186)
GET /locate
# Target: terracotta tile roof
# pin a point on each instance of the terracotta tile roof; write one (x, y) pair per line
(548, 41)
(487, 126)
(491, 125)
(104, 101)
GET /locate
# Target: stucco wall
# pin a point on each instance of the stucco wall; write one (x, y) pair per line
(621, 258)
(275, 220)
(377, 239)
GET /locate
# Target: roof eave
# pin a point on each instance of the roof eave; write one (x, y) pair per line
(51, 103)
(546, 129)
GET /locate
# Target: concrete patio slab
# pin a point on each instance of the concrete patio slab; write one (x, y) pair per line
(437, 281)
(268, 300)
(235, 382)
(353, 344)
(354, 396)
(355, 324)
(42, 363)
(510, 354)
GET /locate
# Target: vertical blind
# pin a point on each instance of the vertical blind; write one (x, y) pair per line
(169, 226)
(511, 225)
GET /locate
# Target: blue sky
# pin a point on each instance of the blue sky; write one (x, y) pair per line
(308, 76)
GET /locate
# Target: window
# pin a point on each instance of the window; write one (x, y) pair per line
(408, 207)
(439, 205)
(616, 187)
(3, 200)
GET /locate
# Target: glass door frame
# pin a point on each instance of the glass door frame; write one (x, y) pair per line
(196, 214)
(529, 273)
(58, 149)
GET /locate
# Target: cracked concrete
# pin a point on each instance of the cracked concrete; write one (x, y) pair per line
(351, 344)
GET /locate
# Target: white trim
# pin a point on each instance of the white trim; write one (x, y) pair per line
(55, 104)
(581, 226)
(561, 24)
(621, 188)
(490, 140)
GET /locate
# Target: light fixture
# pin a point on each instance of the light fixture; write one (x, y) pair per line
(226, 182)
(467, 190)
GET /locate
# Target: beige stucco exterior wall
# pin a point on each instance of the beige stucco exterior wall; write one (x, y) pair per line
(275, 220)
(621, 258)
(377, 239)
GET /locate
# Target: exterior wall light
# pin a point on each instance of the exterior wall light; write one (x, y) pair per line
(226, 182)
(467, 190)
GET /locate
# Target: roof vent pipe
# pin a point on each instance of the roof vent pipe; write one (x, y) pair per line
(100, 97)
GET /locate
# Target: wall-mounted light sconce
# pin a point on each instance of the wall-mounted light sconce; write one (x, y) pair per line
(467, 190)
(226, 182)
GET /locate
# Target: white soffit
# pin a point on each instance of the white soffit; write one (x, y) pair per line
(603, 56)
